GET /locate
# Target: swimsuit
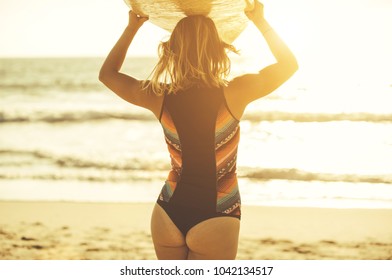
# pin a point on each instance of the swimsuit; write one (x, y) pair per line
(202, 138)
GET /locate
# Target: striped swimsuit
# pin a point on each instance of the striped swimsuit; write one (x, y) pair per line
(202, 138)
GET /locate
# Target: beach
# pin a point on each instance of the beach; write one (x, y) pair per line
(313, 167)
(80, 230)
(80, 168)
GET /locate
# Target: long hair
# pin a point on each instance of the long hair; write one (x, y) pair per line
(193, 55)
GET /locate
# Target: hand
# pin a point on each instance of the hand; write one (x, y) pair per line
(136, 20)
(257, 14)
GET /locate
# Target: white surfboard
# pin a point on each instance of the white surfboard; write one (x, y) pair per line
(228, 15)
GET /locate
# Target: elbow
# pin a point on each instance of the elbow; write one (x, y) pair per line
(104, 75)
(296, 66)
(293, 65)
(289, 65)
(101, 76)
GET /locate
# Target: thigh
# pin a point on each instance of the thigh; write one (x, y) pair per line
(169, 242)
(215, 238)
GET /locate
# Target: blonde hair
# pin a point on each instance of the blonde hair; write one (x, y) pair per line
(194, 54)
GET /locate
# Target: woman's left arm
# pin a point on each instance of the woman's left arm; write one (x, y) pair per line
(127, 87)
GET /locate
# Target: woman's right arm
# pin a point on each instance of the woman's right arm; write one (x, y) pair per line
(247, 88)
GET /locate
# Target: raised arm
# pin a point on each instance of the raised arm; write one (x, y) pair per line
(127, 87)
(247, 88)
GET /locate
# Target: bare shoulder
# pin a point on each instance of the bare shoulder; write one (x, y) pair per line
(152, 102)
(132, 91)
(235, 93)
(247, 88)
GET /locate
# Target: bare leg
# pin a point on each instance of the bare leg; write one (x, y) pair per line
(168, 240)
(214, 239)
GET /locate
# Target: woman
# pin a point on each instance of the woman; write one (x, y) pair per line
(197, 214)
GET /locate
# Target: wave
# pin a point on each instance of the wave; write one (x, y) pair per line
(91, 115)
(301, 175)
(74, 162)
(34, 88)
(318, 117)
(127, 169)
(71, 116)
(118, 178)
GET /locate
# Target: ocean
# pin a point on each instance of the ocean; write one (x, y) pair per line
(65, 137)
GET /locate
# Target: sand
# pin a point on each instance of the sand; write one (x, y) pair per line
(73, 230)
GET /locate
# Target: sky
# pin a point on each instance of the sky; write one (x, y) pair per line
(347, 35)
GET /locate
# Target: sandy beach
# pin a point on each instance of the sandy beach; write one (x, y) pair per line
(74, 230)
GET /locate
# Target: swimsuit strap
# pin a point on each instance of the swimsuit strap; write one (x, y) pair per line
(226, 105)
(163, 104)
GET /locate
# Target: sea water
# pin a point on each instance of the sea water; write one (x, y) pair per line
(64, 136)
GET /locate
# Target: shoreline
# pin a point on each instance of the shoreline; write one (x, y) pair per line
(92, 230)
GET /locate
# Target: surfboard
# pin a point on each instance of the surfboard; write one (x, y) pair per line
(229, 16)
